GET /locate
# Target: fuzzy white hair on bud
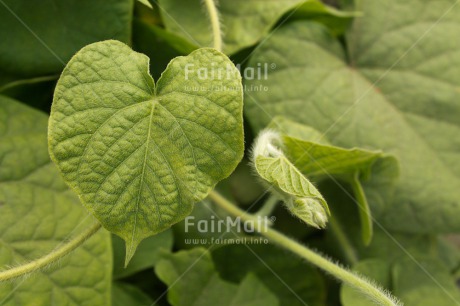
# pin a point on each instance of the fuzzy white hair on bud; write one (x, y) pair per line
(267, 144)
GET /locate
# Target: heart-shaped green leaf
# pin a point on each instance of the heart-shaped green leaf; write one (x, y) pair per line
(140, 155)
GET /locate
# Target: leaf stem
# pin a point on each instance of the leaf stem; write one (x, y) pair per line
(343, 240)
(364, 210)
(377, 295)
(52, 257)
(215, 24)
(268, 207)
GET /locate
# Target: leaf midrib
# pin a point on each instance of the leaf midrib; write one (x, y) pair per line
(144, 164)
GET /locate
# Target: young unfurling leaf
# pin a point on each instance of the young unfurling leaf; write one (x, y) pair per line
(299, 195)
(316, 158)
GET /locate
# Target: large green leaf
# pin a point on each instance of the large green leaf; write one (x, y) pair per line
(37, 213)
(194, 281)
(420, 281)
(140, 155)
(412, 113)
(425, 282)
(243, 22)
(386, 245)
(387, 248)
(291, 279)
(39, 37)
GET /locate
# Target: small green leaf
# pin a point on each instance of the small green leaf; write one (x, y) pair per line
(319, 161)
(322, 160)
(194, 281)
(38, 213)
(139, 155)
(299, 195)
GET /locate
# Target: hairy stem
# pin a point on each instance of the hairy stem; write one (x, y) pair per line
(215, 24)
(52, 257)
(372, 292)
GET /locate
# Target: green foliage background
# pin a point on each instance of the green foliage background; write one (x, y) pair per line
(371, 89)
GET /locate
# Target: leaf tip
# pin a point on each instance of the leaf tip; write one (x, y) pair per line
(131, 247)
(309, 210)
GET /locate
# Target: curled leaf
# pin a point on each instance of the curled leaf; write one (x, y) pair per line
(316, 158)
(309, 210)
(300, 196)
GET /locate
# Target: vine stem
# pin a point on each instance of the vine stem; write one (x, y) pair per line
(215, 24)
(52, 257)
(371, 291)
(343, 241)
(268, 207)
